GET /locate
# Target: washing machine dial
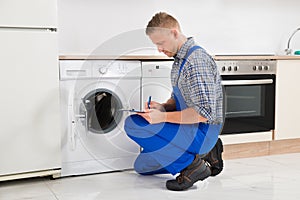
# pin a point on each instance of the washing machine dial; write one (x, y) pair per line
(102, 70)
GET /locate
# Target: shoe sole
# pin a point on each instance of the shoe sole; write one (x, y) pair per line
(201, 177)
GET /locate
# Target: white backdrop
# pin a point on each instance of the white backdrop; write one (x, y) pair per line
(220, 26)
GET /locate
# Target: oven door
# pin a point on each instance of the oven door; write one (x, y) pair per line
(249, 103)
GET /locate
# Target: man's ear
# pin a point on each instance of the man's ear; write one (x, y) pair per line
(175, 33)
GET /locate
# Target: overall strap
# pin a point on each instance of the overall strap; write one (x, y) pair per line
(191, 50)
(179, 99)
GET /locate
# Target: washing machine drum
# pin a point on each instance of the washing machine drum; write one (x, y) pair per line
(102, 111)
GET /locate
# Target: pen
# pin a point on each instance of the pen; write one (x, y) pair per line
(149, 100)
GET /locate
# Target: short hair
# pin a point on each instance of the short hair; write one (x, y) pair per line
(162, 20)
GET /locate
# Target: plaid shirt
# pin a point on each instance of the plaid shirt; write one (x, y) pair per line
(199, 82)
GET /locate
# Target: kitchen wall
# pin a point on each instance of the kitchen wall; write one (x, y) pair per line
(221, 26)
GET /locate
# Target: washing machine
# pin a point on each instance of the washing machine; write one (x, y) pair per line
(156, 81)
(93, 92)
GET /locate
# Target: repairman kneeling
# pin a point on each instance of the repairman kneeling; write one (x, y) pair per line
(181, 135)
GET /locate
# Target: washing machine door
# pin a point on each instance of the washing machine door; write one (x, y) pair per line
(100, 111)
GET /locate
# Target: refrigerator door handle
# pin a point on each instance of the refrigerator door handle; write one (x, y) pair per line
(28, 29)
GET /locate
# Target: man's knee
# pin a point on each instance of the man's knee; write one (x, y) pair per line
(133, 124)
(130, 125)
(134, 121)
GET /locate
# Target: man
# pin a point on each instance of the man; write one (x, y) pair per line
(177, 134)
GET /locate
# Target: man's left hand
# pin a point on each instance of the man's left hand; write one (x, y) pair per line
(153, 116)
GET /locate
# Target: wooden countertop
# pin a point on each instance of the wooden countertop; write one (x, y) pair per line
(128, 57)
(157, 57)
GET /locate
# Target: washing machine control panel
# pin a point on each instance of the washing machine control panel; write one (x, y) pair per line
(105, 68)
(70, 69)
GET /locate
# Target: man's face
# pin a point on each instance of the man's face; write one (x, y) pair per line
(166, 41)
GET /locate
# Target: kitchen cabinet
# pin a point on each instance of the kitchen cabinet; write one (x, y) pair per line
(287, 108)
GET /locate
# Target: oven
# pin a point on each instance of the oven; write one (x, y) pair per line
(249, 95)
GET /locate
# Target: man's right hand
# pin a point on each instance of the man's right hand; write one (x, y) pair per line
(155, 105)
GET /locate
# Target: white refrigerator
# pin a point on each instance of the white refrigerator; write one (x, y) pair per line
(29, 86)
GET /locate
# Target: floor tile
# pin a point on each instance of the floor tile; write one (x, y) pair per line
(34, 189)
(261, 178)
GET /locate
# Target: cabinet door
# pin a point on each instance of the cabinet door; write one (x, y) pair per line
(287, 100)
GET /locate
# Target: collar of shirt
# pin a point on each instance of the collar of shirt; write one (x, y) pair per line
(184, 48)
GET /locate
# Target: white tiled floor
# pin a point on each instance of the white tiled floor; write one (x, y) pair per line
(262, 178)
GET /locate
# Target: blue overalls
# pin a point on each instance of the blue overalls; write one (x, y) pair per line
(169, 147)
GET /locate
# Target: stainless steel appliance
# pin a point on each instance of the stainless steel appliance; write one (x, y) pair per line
(249, 87)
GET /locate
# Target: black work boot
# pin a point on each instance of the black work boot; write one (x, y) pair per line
(196, 171)
(214, 158)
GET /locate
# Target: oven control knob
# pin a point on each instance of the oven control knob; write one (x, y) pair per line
(260, 68)
(255, 67)
(235, 68)
(229, 68)
(267, 67)
(223, 68)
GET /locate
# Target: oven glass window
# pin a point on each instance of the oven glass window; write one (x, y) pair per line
(244, 101)
(249, 103)
(102, 111)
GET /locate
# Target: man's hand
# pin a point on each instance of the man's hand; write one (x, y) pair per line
(155, 105)
(153, 116)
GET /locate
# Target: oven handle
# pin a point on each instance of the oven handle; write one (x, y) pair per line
(248, 82)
